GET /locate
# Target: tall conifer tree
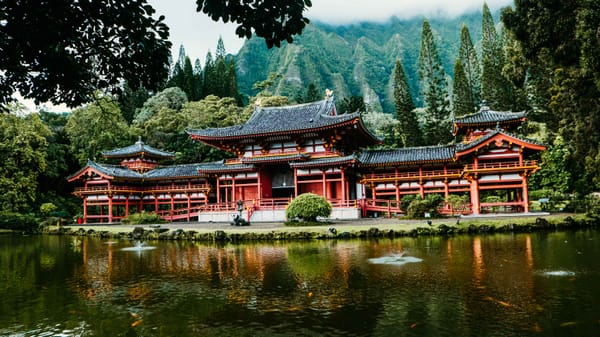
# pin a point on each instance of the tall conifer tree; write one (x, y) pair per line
(197, 81)
(471, 66)
(209, 77)
(312, 93)
(408, 126)
(187, 84)
(232, 87)
(495, 89)
(461, 91)
(434, 90)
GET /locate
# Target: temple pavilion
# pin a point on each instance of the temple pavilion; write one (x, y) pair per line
(282, 152)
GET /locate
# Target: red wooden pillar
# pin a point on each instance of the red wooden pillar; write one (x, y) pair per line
(397, 186)
(324, 183)
(189, 205)
(373, 186)
(295, 182)
(85, 210)
(127, 204)
(259, 182)
(446, 189)
(525, 194)
(475, 195)
(343, 185)
(233, 199)
(172, 205)
(521, 156)
(218, 190)
(421, 186)
(110, 208)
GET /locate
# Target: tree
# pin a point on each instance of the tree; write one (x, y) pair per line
(494, 87)
(52, 185)
(171, 98)
(383, 124)
(408, 125)
(186, 77)
(63, 51)
(275, 21)
(461, 94)
(23, 148)
(312, 94)
(264, 87)
(351, 104)
(96, 127)
(209, 77)
(219, 76)
(561, 47)
(198, 94)
(434, 89)
(131, 100)
(471, 67)
(210, 112)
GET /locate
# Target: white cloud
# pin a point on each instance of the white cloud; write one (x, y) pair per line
(347, 11)
(199, 34)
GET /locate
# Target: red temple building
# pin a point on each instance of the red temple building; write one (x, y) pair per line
(282, 152)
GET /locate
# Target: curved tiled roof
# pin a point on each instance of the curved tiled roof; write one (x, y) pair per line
(274, 158)
(137, 149)
(271, 120)
(221, 166)
(409, 155)
(115, 171)
(465, 146)
(173, 171)
(325, 161)
(485, 116)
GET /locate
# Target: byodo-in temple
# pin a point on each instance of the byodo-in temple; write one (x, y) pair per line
(282, 152)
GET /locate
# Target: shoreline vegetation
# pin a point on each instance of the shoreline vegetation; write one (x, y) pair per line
(341, 229)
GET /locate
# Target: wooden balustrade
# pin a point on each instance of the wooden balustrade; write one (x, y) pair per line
(501, 165)
(412, 175)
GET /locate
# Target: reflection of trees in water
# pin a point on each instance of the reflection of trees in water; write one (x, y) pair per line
(328, 284)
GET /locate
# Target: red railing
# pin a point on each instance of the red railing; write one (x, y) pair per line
(412, 175)
(147, 189)
(501, 165)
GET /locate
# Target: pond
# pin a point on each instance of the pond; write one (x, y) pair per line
(538, 284)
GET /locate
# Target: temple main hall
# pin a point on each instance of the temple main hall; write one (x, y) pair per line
(282, 152)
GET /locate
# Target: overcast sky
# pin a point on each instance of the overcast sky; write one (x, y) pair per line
(198, 33)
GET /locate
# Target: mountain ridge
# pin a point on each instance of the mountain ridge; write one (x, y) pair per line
(353, 59)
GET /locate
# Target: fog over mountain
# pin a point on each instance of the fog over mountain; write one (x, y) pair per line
(199, 34)
(355, 59)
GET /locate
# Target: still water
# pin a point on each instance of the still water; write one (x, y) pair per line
(540, 284)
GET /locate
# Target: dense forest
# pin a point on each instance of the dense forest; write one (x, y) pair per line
(407, 78)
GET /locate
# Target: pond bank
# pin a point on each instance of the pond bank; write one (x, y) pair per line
(363, 228)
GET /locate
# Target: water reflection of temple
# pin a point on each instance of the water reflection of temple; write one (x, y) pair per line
(461, 276)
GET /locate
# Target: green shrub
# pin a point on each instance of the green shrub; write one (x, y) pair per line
(142, 218)
(592, 205)
(418, 207)
(47, 208)
(308, 207)
(457, 202)
(18, 222)
(406, 200)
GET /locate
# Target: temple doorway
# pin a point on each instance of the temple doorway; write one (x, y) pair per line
(283, 183)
